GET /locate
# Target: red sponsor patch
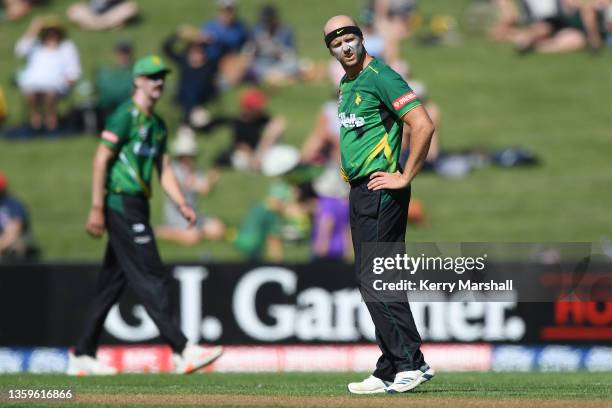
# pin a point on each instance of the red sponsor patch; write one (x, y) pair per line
(110, 136)
(403, 100)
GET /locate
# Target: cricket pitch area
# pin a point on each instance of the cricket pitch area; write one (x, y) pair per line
(521, 390)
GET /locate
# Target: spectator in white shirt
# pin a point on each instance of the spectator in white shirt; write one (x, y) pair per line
(52, 67)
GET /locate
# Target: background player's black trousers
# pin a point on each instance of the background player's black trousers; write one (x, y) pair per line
(381, 216)
(132, 257)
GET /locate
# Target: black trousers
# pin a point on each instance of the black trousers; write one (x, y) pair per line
(381, 217)
(132, 258)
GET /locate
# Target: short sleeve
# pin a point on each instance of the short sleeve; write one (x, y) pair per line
(395, 93)
(117, 128)
(16, 210)
(72, 64)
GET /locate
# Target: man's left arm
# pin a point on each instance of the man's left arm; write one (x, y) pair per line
(171, 186)
(422, 131)
(12, 232)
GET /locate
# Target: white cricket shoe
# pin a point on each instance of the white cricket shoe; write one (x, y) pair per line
(195, 357)
(87, 365)
(408, 380)
(371, 385)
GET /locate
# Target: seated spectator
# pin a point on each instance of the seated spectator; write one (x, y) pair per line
(578, 25)
(227, 36)
(113, 82)
(193, 183)
(512, 13)
(254, 131)
(3, 107)
(274, 56)
(373, 39)
(16, 9)
(97, 15)
(323, 144)
(15, 239)
(197, 72)
(330, 232)
(392, 20)
(261, 227)
(52, 67)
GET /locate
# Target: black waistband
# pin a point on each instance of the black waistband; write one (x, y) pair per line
(359, 181)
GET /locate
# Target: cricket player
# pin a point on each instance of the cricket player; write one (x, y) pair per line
(374, 104)
(132, 144)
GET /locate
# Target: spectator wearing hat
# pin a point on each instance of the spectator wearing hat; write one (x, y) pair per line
(254, 131)
(15, 238)
(197, 72)
(113, 82)
(193, 183)
(51, 69)
(227, 35)
(97, 15)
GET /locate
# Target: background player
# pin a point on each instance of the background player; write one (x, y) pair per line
(133, 142)
(374, 104)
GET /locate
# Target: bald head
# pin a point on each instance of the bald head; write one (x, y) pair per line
(337, 22)
(344, 40)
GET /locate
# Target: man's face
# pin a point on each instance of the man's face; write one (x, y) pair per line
(152, 85)
(227, 15)
(347, 49)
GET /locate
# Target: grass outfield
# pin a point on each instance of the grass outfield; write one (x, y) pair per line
(558, 106)
(297, 390)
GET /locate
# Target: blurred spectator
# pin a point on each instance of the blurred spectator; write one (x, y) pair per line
(274, 56)
(261, 227)
(254, 131)
(113, 82)
(323, 143)
(330, 232)
(193, 183)
(52, 68)
(512, 13)
(576, 26)
(373, 39)
(609, 23)
(197, 72)
(227, 36)
(15, 240)
(392, 20)
(3, 107)
(15, 9)
(99, 15)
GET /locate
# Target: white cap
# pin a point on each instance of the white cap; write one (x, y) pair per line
(418, 87)
(331, 184)
(185, 144)
(279, 159)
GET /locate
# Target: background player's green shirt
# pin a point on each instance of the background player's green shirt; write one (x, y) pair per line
(260, 223)
(370, 109)
(138, 139)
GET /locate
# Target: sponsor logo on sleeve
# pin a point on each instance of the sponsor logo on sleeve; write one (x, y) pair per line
(403, 100)
(110, 136)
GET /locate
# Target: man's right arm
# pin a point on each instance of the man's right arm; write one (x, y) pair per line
(95, 221)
